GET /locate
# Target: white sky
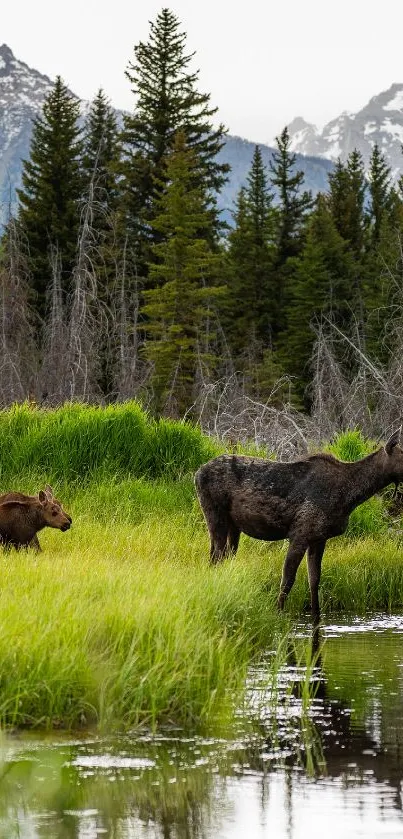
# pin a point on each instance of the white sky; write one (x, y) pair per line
(263, 61)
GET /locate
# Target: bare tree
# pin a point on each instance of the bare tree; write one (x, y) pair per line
(87, 319)
(18, 348)
(130, 373)
(55, 364)
(225, 410)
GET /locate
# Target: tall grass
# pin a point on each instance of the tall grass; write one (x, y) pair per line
(81, 442)
(121, 621)
(369, 517)
(128, 627)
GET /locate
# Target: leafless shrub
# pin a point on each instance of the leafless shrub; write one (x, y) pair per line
(73, 334)
(224, 410)
(130, 374)
(87, 319)
(371, 398)
(18, 350)
(54, 369)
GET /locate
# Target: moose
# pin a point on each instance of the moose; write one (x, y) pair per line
(307, 501)
(23, 516)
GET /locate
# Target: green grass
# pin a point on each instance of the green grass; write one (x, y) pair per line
(121, 621)
(78, 443)
(124, 624)
(370, 517)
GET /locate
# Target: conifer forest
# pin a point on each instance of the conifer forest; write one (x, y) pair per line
(121, 280)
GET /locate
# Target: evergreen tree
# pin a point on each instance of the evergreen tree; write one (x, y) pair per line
(251, 255)
(167, 101)
(293, 207)
(183, 273)
(293, 204)
(346, 201)
(100, 156)
(99, 164)
(51, 191)
(383, 283)
(380, 191)
(347, 206)
(321, 284)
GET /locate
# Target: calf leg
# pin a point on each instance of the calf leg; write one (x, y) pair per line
(292, 562)
(34, 543)
(315, 554)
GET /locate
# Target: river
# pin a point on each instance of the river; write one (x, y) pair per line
(322, 755)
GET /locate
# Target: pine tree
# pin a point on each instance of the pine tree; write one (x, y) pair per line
(100, 157)
(183, 273)
(51, 191)
(293, 207)
(383, 283)
(346, 201)
(347, 206)
(167, 101)
(321, 285)
(379, 177)
(252, 307)
(293, 204)
(99, 164)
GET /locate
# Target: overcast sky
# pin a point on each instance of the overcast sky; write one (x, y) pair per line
(263, 62)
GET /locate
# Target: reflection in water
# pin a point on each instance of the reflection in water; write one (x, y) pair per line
(329, 763)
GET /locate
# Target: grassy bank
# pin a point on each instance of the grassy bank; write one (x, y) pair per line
(121, 621)
(82, 443)
(124, 624)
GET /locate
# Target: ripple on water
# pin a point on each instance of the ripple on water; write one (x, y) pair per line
(290, 768)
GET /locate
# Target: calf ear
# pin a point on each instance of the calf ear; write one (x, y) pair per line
(42, 496)
(49, 491)
(393, 441)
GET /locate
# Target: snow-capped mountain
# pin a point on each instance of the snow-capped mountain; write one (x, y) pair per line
(380, 121)
(22, 94)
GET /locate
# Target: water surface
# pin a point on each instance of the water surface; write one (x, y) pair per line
(332, 766)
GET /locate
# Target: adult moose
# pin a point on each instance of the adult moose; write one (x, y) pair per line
(307, 501)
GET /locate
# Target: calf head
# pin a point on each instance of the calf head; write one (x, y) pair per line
(52, 510)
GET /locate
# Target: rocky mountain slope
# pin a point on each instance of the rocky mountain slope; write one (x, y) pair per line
(22, 92)
(380, 121)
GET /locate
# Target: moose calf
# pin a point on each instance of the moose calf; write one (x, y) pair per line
(23, 516)
(307, 501)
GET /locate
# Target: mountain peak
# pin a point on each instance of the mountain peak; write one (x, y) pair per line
(379, 122)
(20, 85)
(300, 124)
(5, 52)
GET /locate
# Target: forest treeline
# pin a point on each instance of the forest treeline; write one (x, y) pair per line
(119, 278)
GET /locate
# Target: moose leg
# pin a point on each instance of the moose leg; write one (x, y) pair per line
(233, 538)
(315, 554)
(218, 525)
(292, 562)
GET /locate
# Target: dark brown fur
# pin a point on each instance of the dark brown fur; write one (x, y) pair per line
(23, 516)
(307, 501)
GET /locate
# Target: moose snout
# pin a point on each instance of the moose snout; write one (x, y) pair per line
(67, 525)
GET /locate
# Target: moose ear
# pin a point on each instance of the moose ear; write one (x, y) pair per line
(49, 491)
(42, 496)
(393, 441)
